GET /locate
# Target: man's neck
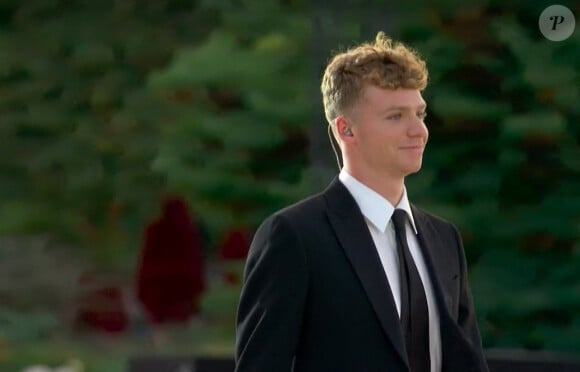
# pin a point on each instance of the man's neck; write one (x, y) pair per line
(388, 187)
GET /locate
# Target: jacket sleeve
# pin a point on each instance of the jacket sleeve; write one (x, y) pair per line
(466, 319)
(272, 299)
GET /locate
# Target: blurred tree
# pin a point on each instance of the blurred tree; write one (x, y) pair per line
(79, 130)
(236, 143)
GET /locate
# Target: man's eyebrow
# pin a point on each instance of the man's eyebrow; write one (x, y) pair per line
(403, 108)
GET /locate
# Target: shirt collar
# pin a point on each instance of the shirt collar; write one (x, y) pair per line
(373, 206)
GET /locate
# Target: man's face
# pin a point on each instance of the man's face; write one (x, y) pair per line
(389, 132)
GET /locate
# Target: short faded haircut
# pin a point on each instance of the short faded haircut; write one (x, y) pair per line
(384, 63)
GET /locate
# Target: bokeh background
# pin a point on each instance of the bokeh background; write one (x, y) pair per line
(110, 107)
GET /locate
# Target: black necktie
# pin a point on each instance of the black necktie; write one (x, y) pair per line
(414, 312)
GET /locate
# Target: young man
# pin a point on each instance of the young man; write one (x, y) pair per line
(356, 278)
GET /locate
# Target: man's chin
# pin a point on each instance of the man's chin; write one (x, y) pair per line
(412, 170)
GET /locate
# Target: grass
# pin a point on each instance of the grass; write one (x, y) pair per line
(100, 353)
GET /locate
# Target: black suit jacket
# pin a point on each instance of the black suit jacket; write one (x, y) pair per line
(315, 296)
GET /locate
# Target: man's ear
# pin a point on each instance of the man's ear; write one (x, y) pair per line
(343, 127)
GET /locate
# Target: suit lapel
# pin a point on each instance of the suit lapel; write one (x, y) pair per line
(354, 237)
(457, 351)
(440, 263)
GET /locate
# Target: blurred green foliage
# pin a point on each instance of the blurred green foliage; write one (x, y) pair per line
(237, 140)
(79, 128)
(19, 327)
(106, 105)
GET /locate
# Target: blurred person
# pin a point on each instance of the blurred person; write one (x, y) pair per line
(101, 306)
(170, 279)
(233, 250)
(356, 278)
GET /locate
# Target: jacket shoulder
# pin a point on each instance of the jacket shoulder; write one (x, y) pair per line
(306, 207)
(436, 221)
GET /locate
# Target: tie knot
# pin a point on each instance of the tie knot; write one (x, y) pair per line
(399, 218)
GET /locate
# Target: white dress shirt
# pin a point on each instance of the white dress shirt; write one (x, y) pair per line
(377, 212)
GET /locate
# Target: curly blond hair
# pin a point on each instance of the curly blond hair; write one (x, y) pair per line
(384, 63)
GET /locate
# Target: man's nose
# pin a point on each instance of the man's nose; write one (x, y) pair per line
(417, 128)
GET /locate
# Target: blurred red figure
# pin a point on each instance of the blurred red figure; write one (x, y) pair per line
(101, 306)
(234, 248)
(236, 244)
(171, 277)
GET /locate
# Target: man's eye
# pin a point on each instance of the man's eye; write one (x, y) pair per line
(394, 116)
(422, 115)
